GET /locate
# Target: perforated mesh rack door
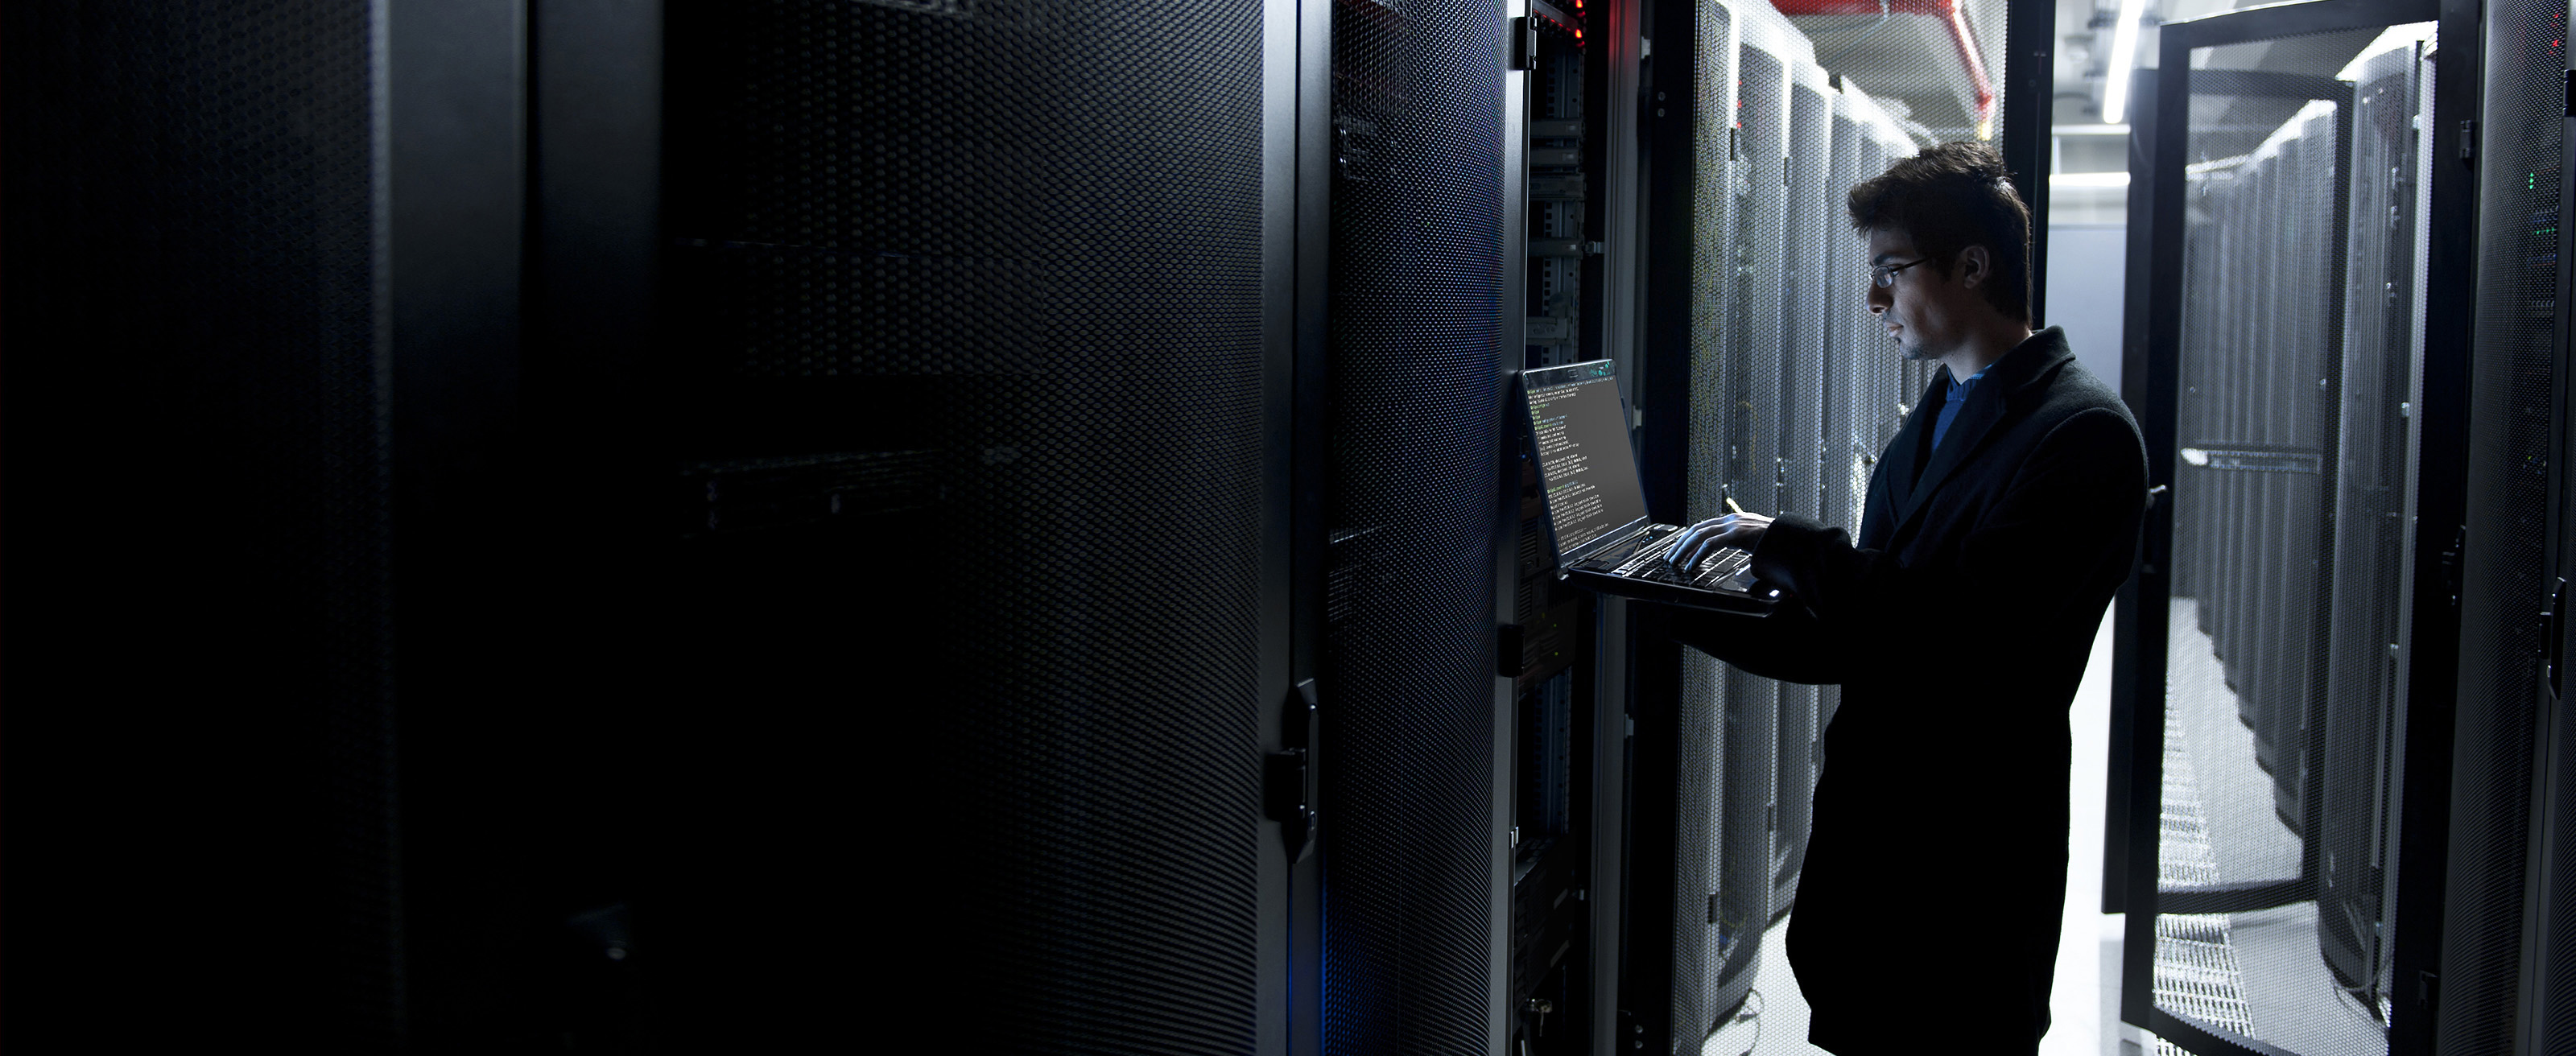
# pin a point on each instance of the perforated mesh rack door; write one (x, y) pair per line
(2283, 715)
(1413, 431)
(199, 637)
(967, 481)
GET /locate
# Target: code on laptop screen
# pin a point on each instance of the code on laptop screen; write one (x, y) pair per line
(1584, 462)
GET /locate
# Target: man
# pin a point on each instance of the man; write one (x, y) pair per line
(1999, 522)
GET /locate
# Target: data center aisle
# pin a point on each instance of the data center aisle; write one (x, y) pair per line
(2085, 1005)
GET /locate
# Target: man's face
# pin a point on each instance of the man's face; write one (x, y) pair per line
(1926, 312)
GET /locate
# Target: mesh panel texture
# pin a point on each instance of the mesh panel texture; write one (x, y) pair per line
(1408, 673)
(2302, 319)
(970, 394)
(2522, 133)
(193, 311)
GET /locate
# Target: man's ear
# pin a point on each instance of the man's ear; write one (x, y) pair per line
(1974, 266)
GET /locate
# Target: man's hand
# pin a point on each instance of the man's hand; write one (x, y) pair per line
(1697, 542)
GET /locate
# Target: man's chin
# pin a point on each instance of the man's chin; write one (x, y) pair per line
(1912, 350)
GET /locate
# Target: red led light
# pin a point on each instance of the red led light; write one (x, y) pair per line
(1578, 34)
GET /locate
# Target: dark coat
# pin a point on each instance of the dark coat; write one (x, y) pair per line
(1958, 625)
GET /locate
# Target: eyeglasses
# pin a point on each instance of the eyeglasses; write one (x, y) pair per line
(1884, 275)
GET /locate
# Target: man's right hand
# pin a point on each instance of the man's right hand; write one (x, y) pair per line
(1695, 543)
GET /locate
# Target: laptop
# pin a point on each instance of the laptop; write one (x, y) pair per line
(1577, 428)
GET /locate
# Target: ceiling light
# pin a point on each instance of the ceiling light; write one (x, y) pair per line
(2089, 179)
(2124, 58)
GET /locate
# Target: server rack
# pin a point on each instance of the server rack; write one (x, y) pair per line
(1674, 946)
(1807, 295)
(1021, 283)
(726, 367)
(2489, 949)
(2264, 453)
(2364, 686)
(2548, 992)
(2255, 397)
(604, 416)
(207, 292)
(1416, 764)
(1755, 379)
(1553, 652)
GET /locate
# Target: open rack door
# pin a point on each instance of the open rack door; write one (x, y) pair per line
(2325, 695)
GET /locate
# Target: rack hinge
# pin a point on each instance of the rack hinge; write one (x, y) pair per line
(2468, 138)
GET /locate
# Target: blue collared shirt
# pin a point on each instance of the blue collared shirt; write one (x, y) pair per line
(1951, 398)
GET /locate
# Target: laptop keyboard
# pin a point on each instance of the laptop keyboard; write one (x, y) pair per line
(1648, 564)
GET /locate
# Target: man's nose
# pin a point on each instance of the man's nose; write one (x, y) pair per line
(1878, 300)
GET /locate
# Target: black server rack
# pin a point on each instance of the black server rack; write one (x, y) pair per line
(2549, 996)
(2503, 557)
(2277, 452)
(2243, 520)
(1756, 440)
(2364, 683)
(1411, 396)
(1563, 214)
(2257, 415)
(597, 423)
(1551, 648)
(198, 467)
(2258, 412)
(2313, 399)
(971, 373)
(1672, 949)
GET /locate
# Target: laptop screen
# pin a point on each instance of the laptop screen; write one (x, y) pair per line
(1584, 461)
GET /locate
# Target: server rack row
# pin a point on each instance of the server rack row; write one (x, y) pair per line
(1132, 375)
(2256, 388)
(1787, 393)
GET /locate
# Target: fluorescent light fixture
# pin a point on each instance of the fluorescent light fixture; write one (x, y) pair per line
(2089, 130)
(2088, 179)
(2124, 58)
(2195, 456)
(2391, 39)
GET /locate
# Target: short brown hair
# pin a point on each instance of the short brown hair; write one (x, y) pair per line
(1947, 198)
